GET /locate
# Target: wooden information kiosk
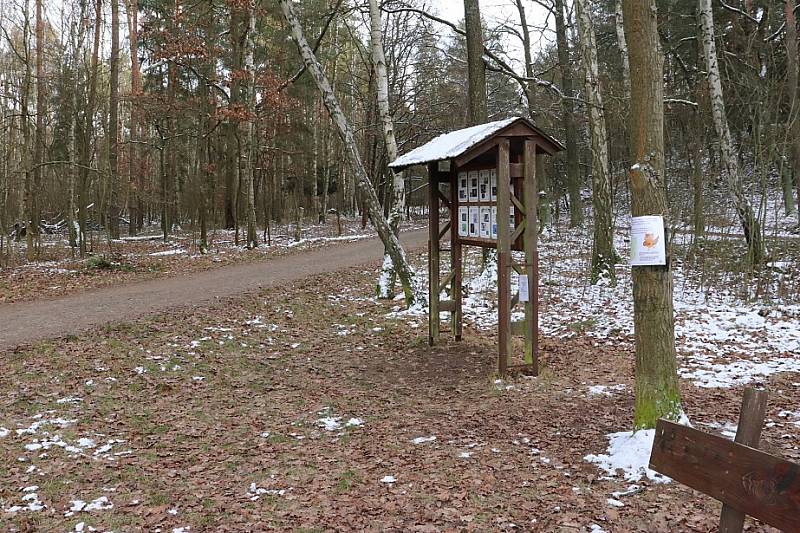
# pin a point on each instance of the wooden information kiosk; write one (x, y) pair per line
(491, 195)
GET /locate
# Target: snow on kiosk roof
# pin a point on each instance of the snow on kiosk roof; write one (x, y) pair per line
(457, 143)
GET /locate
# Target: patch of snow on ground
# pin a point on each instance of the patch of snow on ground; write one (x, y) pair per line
(793, 416)
(388, 479)
(707, 374)
(629, 453)
(423, 440)
(254, 492)
(30, 502)
(603, 390)
(100, 504)
(176, 251)
(4, 432)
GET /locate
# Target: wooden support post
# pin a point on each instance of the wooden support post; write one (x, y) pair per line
(503, 255)
(456, 258)
(751, 420)
(530, 240)
(433, 254)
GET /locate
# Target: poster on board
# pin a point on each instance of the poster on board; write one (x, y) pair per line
(647, 241)
(473, 186)
(463, 221)
(462, 187)
(486, 223)
(474, 221)
(493, 185)
(484, 187)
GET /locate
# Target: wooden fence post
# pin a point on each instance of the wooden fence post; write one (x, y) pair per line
(751, 420)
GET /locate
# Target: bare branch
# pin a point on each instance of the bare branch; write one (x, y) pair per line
(738, 11)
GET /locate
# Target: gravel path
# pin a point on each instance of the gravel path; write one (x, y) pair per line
(28, 322)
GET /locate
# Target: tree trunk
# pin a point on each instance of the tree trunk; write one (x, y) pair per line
(623, 50)
(657, 389)
(530, 96)
(793, 127)
(29, 207)
(390, 241)
(476, 68)
(750, 224)
(41, 110)
(568, 118)
(604, 256)
(88, 121)
(698, 203)
(248, 135)
(397, 202)
(113, 127)
(135, 174)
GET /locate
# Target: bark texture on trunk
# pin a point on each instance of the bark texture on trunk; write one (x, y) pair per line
(476, 68)
(113, 127)
(404, 271)
(135, 171)
(603, 254)
(657, 388)
(530, 96)
(793, 127)
(39, 140)
(248, 135)
(568, 118)
(744, 211)
(622, 42)
(386, 282)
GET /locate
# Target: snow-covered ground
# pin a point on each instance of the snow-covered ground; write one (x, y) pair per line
(722, 340)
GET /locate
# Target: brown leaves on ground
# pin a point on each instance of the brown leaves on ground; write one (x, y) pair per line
(294, 410)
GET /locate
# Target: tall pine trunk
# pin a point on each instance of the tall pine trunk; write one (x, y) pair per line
(476, 68)
(38, 154)
(657, 389)
(568, 119)
(793, 126)
(135, 170)
(604, 256)
(113, 127)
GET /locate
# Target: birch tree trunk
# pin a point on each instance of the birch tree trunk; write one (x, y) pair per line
(76, 46)
(603, 254)
(657, 388)
(568, 119)
(386, 282)
(113, 127)
(248, 137)
(750, 224)
(404, 271)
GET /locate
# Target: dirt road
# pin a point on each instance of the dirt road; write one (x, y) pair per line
(28, 322)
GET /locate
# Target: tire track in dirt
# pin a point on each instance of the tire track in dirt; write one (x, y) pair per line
(28, 322)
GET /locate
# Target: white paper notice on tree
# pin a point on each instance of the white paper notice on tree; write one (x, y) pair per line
(647, 241)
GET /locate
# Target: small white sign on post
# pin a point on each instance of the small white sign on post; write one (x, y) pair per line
(523, 287)
(647, 241)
